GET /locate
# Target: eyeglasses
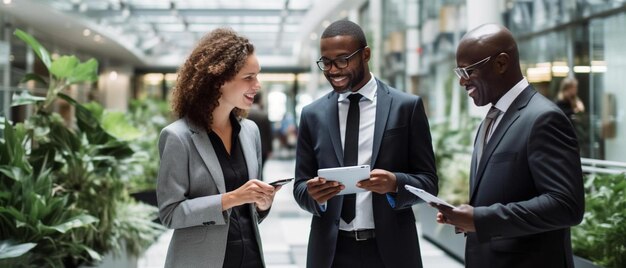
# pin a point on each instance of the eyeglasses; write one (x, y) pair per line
(341, 62)
(465, 72)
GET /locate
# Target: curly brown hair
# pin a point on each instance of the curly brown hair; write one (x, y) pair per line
(218, 57)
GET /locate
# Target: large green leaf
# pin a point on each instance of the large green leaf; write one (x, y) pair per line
(84, 72)
(9, 249)
(41, 51)
(75, 222)
(116, 124)
(95, 108)
(92, 253)
(25, 98)
(63, 66)
(12, 172)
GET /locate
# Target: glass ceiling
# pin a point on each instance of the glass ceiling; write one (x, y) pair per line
(172, 27)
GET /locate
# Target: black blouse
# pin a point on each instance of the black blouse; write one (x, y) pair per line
(242, 249)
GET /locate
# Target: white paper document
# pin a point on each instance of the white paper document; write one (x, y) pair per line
(348, 176)
(426, 196)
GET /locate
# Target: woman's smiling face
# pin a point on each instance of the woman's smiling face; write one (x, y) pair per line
(239, 92)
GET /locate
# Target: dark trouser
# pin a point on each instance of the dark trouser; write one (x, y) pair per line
(356, 254)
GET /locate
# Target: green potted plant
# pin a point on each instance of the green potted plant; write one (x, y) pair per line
(82, 166)
(601, 237)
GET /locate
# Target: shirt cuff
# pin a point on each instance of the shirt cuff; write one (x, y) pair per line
(322, 206)
(392, 200)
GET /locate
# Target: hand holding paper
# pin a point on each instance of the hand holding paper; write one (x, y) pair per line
(427, 197)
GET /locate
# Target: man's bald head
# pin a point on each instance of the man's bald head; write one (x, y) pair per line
(489, 52)
(489, 39)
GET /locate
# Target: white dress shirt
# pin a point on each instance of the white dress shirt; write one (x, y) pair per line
(364, 216)
(505, 102)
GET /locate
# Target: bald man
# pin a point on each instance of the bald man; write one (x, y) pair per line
(526, 185)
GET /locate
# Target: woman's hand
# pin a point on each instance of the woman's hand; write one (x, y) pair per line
(266, 203)
(253, 191)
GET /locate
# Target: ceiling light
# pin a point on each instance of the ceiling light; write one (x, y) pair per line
(86, 32)
(582, 69)
(7, 2)
(97, 38)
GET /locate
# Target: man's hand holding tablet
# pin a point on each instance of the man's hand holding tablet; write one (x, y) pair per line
(427, 197)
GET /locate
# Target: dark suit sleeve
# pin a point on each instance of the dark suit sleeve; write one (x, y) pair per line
(421, 171)
(555, 170)
(306, 167)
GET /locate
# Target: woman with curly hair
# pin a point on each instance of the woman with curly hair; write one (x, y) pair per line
(209, 186)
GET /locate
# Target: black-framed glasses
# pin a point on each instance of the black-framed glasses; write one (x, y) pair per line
(341, 62)
(465, 72)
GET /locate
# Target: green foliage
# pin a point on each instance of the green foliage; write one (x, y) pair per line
(61, 188)
(149, 116)
(64, 71)
(41, 52)
(601, 237)
(41, 224)
(453, 158)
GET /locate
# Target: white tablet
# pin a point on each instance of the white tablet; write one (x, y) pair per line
(426, 196)
(348, 176)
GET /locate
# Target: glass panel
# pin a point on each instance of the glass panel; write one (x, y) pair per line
(607, 70)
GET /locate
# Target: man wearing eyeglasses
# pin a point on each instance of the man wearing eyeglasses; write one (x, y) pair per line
(362, 121)
(525, 181)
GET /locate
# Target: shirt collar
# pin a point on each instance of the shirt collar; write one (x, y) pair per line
(505, 102)
(368, 91)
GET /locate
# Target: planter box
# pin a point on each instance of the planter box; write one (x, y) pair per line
(441, 235)
(584, 263)
(149, 197)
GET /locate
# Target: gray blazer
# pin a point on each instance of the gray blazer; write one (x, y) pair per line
(189, 192)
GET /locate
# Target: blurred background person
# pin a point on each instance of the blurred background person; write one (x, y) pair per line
(259, 116)
(568, 99)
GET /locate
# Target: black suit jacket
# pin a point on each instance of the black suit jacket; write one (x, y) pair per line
(402, 144)
(527, 190)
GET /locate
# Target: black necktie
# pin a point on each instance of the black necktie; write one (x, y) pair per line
(351, 152)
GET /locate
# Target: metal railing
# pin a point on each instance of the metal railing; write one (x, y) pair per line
(602, 166)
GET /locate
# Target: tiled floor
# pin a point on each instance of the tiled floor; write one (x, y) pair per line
(285, 231)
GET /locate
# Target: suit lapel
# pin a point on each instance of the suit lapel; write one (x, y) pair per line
(512, 114)
(332, 115)
(206, 151)
(383, 105)
(249, 152)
